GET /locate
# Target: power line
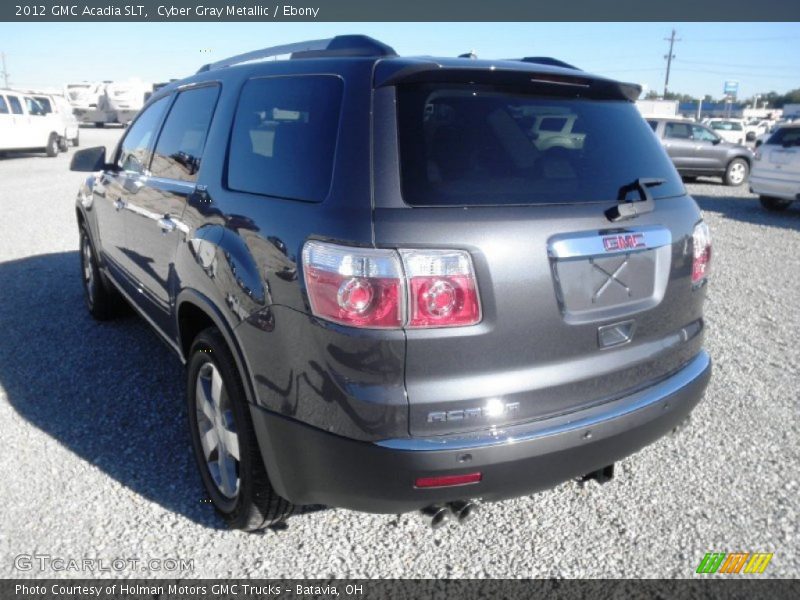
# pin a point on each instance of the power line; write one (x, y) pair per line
(671, 39)
(4, 72)
(737, 65)
(734, 74)
(727, 40)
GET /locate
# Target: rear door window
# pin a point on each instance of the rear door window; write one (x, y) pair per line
(180, 145)
(678, 131)
(786, 136)
(284, 137)
(16, 106)
(3, 106)
(466, 144)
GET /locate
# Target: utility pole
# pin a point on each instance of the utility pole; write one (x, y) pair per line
(671, 39)
(4, 73)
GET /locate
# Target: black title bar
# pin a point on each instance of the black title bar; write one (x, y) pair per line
(399, 10)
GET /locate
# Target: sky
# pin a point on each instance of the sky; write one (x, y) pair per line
(762, 57)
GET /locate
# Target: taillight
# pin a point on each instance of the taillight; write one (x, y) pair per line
(701, 241)
(441, 287)
(364, 287)
(361, 287)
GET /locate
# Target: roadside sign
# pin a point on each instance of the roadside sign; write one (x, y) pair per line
(731, 87)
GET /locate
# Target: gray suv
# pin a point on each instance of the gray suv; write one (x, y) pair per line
(696, 150)
(402, 283)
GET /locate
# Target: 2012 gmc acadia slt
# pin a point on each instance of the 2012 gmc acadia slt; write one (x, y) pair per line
(402, 283)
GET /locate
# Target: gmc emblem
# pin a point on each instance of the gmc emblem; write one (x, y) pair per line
(624, 242)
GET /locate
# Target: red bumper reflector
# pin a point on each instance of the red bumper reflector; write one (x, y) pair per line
(447, 480)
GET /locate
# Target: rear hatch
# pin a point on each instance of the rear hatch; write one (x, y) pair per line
(779, 156)
(577, 309)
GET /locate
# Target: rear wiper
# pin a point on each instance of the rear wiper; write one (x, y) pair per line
(628, 209)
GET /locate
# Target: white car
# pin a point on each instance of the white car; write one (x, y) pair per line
(776, 168)
(24, 125)
(58, 106)
(730, 130)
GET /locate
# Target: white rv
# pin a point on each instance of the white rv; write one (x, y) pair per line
(88, 102)
(126, 98)
(26, 126)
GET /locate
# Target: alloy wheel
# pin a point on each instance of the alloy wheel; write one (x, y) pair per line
(737, 173)
(217, 430)
(88, 270)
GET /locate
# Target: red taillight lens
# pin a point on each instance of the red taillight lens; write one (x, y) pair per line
(354, 286)
(365, 287)
(447, 480)
(701, 241)
(442, 288)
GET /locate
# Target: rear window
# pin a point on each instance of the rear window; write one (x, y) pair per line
(484, 145)
(284, 137)
(785, 136)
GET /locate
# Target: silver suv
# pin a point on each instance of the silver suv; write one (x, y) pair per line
(402, 283)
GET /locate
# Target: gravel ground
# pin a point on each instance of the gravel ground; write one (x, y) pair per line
(98, 465)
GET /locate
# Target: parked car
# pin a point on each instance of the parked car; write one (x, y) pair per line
(59, 107)
(388, 298)
(730, 130)
(776, 169)
(24, 125)
(696, 151)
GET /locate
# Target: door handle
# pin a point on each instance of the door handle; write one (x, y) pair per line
(119, 204)
(166, 224)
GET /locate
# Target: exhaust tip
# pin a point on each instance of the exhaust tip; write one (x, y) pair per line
(463, 510)
(434, 515)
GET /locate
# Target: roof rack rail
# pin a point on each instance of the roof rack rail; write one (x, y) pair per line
(341, 45)
(547, 60)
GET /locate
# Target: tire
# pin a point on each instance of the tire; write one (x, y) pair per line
(102, 300)
(52, 146)
(239, 488)
(63, 144)
(736, 173)
(76, 141)
(774, 204)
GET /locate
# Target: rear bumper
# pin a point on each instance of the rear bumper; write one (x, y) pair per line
(310, 466)
(775, 188)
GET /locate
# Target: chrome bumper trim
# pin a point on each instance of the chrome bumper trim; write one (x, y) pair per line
(590, 417)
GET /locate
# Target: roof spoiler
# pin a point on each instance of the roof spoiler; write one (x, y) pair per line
(548, 60)
(339, 46)
(429, 71)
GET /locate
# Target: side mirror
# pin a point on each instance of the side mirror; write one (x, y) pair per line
(89, 159)
(716, 141)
